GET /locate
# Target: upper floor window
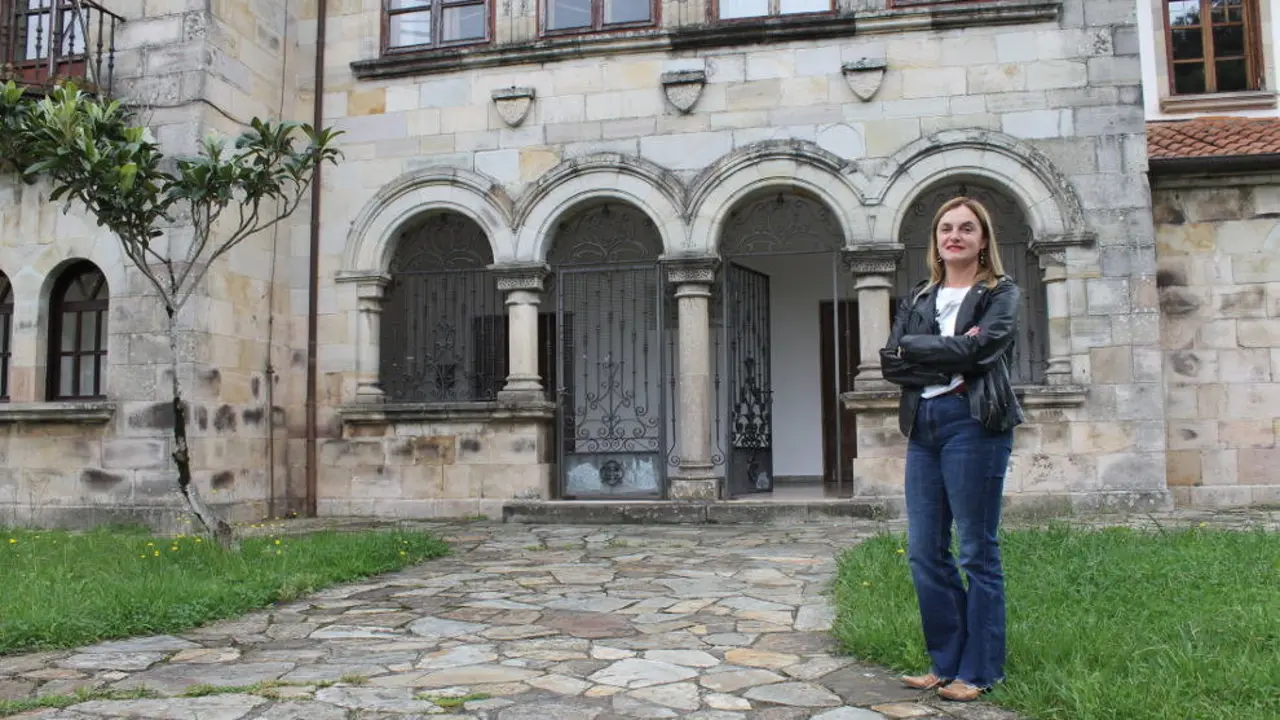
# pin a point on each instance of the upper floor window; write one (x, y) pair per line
(738, 9)
(78, 334)
(585, 15)
(412, 24)
(1214, 46)
(6, 334)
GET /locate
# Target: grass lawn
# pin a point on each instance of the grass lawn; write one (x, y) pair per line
(61, 589)
(1109, 624)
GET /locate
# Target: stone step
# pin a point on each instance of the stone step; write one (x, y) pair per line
(669, 512)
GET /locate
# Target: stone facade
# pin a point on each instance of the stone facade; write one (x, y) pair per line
(1218, 242)
(682, 127)
(1037, 100)
(191, 68)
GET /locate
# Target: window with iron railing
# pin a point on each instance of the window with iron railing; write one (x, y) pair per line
(44, 40)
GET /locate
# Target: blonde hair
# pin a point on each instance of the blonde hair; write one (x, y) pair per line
(990, 272)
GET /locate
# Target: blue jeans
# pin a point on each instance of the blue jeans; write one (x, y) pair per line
(955, 471)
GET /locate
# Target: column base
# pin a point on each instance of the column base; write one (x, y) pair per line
(694, 488)
(522, 396)
(873, 383)
(370, 394)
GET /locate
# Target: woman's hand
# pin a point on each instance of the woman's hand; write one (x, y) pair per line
(973, 331)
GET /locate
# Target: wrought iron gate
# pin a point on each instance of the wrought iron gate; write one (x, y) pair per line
(749, 467)
(609, 381)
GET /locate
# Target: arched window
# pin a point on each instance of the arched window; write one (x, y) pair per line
(1013, 233)
(78, 334)
(6, 334)
(444, 322)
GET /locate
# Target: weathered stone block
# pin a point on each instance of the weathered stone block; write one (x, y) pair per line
(1259, 433)
(1245, 366)
(1182, 468)
(1192, 366)
(352, 453)
(135, 454)
(1139, 402)
(1132, 471)
(1193, 435)
(1101, 437)
(1259, 333)
(1034, 124)
(1042, 472)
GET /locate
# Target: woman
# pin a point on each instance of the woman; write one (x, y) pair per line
(949, 351)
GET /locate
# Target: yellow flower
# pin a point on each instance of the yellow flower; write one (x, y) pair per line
(277, 541)
(199, 540)
(13, 541)
(173, 548)
(150, 544)
(866, 583)
(402, 553)
(1204, 524)
(156, 553)
(277, 552)
(901, 551)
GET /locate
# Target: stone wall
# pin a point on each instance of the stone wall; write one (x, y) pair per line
(1045, 105)
(191, 69)
(448, 462)
(1218, 240)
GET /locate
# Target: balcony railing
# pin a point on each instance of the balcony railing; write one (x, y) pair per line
(44, 41)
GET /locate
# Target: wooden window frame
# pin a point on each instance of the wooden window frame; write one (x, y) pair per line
(598, 25)
(1251, 25)
(773, 14)
(59, 305)
(6, 335)
(436, 10)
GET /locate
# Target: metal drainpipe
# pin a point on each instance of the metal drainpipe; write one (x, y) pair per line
(313, 277)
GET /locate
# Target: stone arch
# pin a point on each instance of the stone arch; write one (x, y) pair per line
(370, 241)
(1014, 237)
(443, 317)
(606, 176)
(1051, 204)
(794, 165)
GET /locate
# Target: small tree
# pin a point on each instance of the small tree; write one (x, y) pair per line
(90, 151)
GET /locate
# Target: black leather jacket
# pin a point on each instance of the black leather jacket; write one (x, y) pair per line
(917, 356)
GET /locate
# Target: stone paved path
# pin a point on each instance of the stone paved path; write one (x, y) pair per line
(534, 622)
(525, 623)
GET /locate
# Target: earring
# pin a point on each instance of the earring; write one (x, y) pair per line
(982, 258)
(939, 259)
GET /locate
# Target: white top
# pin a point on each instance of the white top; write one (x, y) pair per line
(948, 307)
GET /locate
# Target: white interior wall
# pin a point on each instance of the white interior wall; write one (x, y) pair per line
(798, 284)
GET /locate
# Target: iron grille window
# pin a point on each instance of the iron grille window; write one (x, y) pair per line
(417, 24)
(6, 334)
(1213, 46)
(742, 9)
(1013, 234)
(587, 15)
(78, 334)
(444, 328)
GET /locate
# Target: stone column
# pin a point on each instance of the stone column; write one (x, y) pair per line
(523, 286)
(1052, 252)
(874, 268)
(370, 292)
(695, 480)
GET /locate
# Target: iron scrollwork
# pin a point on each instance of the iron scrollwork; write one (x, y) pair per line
(444, 326)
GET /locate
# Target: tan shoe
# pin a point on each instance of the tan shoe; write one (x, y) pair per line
(960, 691)
(922, 682)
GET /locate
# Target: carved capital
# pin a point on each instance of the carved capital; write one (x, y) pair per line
(1052, 250)
(513, 103)
(878, 259)
(864, 76)
(520, 277)
(371, 286)
(700, 270)
(683, 88)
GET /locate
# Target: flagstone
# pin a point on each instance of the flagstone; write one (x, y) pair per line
(560, 684)
(681, 696)
(760, 658)
(636, 673)
(688, 658)
(458, 657)
(441, 628)
(794, 693)
(214, 707)
(735, 680)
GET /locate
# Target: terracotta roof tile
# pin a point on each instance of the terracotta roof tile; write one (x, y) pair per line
(1213, 137)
